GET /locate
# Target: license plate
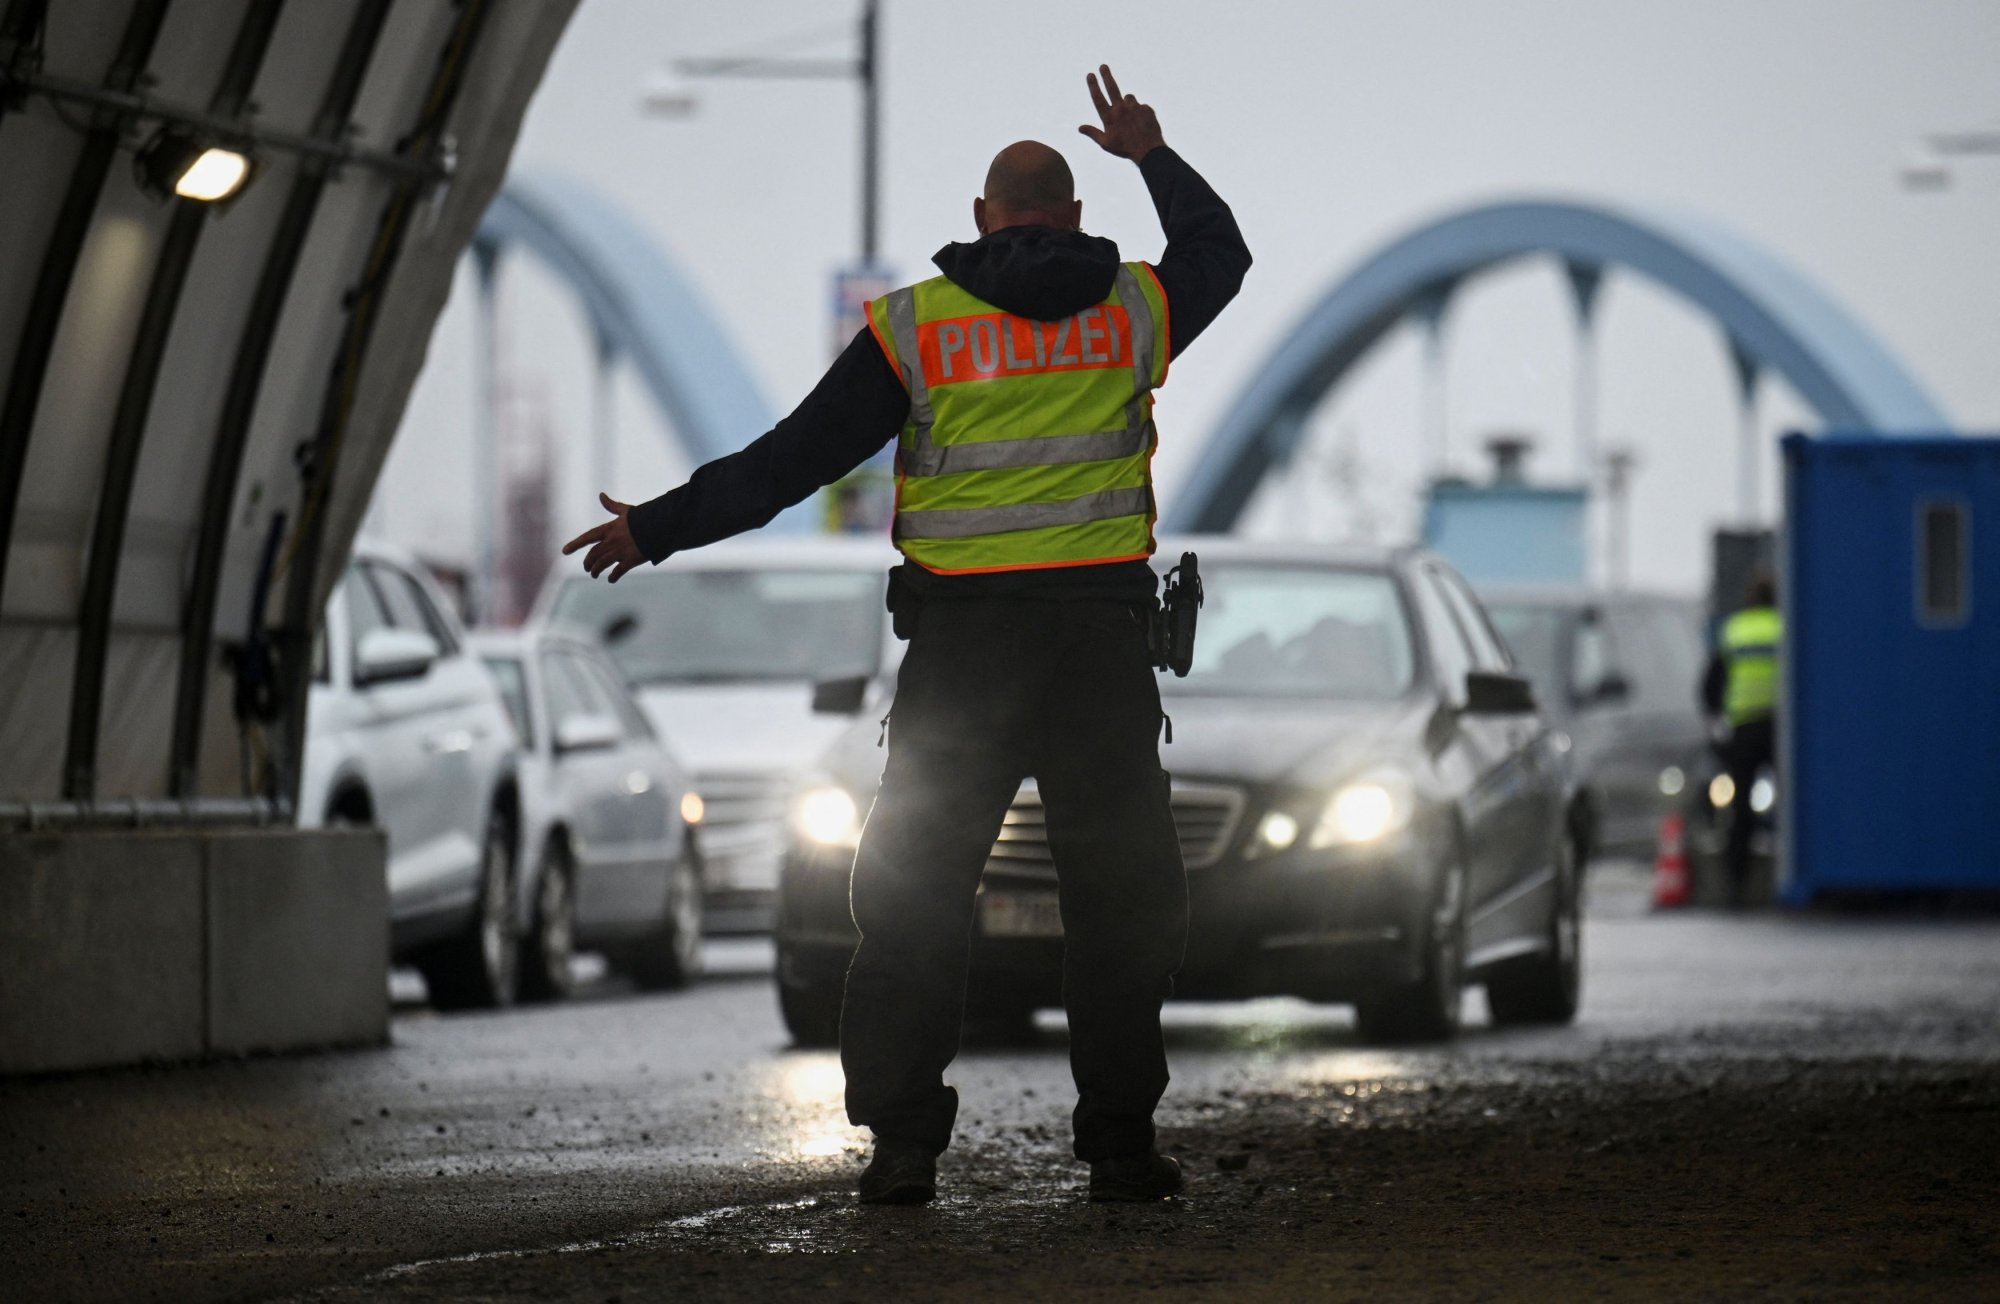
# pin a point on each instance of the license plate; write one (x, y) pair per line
(1020, 914)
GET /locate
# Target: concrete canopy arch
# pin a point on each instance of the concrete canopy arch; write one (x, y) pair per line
(1773, 316)
(186, 391)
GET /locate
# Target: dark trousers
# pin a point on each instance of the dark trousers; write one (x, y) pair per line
(1752, 747)
(991, 692)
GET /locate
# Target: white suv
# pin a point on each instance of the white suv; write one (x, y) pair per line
(407, 731)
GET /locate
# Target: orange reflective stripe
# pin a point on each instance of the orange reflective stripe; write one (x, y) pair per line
(1166, 342)
(988, 345)
(868, 311)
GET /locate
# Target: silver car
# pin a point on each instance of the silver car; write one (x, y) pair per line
(609, 858)
(1618, 673)
(725, 646)
(405, 731)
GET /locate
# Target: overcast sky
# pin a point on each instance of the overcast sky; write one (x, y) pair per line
(1331, 127)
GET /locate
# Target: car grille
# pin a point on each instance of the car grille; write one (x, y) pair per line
(1205, 816)
(742, 828)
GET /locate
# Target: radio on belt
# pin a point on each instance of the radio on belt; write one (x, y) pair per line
(1170, 632)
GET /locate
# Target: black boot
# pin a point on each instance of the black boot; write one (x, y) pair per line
(1135, 1178)
(901, 1172)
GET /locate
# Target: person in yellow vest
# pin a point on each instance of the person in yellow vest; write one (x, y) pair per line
(1018, 386)
(1742, 686)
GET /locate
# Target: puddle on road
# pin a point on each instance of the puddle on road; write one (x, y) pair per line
(770, 1227)
(811, 1090)
(797, 1114)
(644, 1238)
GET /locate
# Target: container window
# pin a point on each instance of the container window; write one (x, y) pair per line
(1943, 584)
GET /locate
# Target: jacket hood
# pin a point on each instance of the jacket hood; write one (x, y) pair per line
(1042, 272)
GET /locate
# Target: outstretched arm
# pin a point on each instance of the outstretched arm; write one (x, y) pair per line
(1206, 259)
(857, 407)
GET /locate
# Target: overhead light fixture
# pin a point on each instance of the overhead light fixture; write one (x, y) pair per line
(177, 163)
(215, 175)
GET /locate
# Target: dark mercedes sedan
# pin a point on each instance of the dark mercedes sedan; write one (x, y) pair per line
(1371, 811)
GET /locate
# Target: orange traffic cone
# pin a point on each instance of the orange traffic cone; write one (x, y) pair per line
(1670, 866)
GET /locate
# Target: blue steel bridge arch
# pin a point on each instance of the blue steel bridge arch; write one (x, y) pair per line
(1774, 319)
(640, 305)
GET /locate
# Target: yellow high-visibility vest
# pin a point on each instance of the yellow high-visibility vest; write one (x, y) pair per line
(1750, 643)
(1029, 443)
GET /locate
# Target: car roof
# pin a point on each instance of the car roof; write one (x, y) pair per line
(754, 551)
(1229, 547)
(371, 548)
(833, 551)
(849, 552)
(1575, 595)
(494, 640)
(839, 551)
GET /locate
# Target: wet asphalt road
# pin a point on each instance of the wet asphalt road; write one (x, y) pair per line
(1753, 1106)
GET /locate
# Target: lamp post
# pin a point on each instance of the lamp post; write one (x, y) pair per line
(1619, 463)
(865, 67)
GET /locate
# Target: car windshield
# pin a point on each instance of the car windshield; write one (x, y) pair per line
(1299, 631)
(708, 626)
(1533, 632)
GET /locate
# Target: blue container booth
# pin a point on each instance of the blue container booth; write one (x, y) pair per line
(1890, 768)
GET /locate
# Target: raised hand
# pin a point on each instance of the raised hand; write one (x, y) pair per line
(1130, 129)
(611, 544)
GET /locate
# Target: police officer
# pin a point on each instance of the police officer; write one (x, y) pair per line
(1019, 387)
(1742, 685)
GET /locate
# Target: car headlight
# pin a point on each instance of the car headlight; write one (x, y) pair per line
(1365, 810)
(1277, 830)
(828, 816)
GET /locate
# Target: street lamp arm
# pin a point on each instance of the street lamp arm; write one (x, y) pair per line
(865, 69)
(785, 69)
(1965, 142)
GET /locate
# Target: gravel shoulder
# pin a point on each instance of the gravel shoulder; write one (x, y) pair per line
(1751, 1107)
(1641, 1178)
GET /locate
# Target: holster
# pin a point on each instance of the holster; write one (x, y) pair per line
(1170, 625)
(903, 605)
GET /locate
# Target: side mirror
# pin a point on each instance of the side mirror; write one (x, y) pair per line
(1490, 693)
(583, 733)
(1614, 687)
(619, 628)
(384, 654)
(840, 696)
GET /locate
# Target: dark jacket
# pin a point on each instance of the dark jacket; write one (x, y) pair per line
(860, 404)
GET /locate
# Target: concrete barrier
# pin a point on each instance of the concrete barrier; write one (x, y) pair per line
(121, 947)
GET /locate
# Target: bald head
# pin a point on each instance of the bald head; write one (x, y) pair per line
(1028, 175)
(1028, 184)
